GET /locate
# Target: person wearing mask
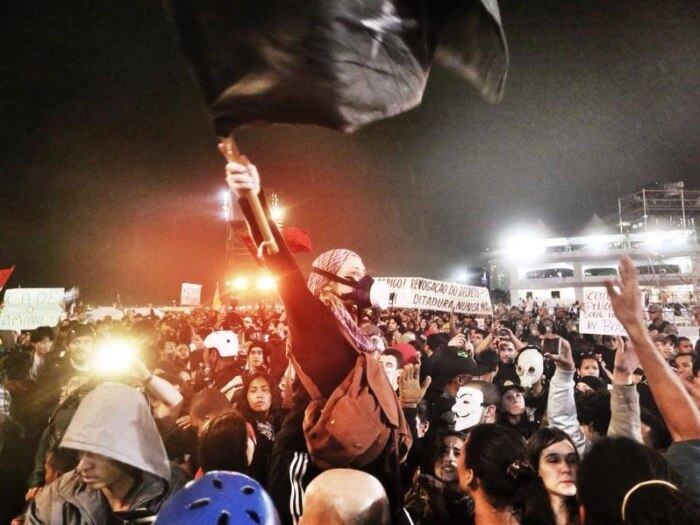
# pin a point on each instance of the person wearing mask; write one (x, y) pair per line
(554, 457)
(119, 472)
(475, 402)
(326, 346)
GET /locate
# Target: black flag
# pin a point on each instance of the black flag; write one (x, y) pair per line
(340, 64)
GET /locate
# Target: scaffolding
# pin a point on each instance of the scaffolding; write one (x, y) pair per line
(651, 209)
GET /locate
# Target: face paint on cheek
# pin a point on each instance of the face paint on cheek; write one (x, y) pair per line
(467, 408)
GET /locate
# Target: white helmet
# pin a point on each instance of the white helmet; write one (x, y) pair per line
(225, 341)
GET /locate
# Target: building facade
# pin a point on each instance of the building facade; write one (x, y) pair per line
(656, 228)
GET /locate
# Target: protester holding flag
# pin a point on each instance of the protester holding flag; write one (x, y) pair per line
(326, 345)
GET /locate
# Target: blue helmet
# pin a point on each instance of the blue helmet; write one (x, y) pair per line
(220, 498)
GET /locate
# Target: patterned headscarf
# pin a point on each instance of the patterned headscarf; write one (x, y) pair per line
(331, 261)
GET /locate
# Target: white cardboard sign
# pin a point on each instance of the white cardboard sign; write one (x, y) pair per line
(597, 316)
(190, 294)
(442, 296)
(29, 308)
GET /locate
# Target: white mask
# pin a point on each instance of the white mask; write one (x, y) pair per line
(529, 367)
(468, 407)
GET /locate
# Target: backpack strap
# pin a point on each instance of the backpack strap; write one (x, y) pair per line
(308, 383)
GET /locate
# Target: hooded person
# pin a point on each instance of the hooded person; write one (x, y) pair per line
(326, 347)
(123, 469)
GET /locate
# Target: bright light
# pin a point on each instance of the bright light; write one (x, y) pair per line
(522, 243)
(654, 240)
(265, 283)
(226, 204)
(239, 283)
(112, 357)
(277, 213)
(598, 243)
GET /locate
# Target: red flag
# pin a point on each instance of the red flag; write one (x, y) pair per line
(5, 275)
(297, 240)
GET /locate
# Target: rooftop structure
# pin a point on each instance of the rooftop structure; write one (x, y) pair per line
(657, 229)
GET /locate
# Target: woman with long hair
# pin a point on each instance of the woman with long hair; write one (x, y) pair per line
(495, 473)
(259, 404)
(435, 497)
(554, 457)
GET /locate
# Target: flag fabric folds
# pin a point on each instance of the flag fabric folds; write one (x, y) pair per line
(339, 64)
(5, 276)
(216, 302)
(296, 239)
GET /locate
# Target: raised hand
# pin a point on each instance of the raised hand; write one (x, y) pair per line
(625, 295)
(626, 362)
(411, 391)
(564, 359)
(460, 341)
(242, 177)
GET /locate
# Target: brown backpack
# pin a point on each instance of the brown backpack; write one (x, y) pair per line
(356, 423)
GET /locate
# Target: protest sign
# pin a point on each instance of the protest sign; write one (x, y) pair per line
(104, 311)
(28, 308)
(597, 316)
(190, 294)
(428, 294)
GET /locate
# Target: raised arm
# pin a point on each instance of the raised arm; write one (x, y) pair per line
(561, 405)
(675, 404)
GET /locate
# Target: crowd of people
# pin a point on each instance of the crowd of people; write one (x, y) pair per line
(330, 411)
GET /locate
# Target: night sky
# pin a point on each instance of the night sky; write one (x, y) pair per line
(110, 178)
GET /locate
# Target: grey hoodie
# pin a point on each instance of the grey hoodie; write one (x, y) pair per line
(113, 420)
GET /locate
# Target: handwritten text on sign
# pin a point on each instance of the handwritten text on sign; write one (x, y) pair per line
(597, 316)
(428, 294)
(28, 308)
